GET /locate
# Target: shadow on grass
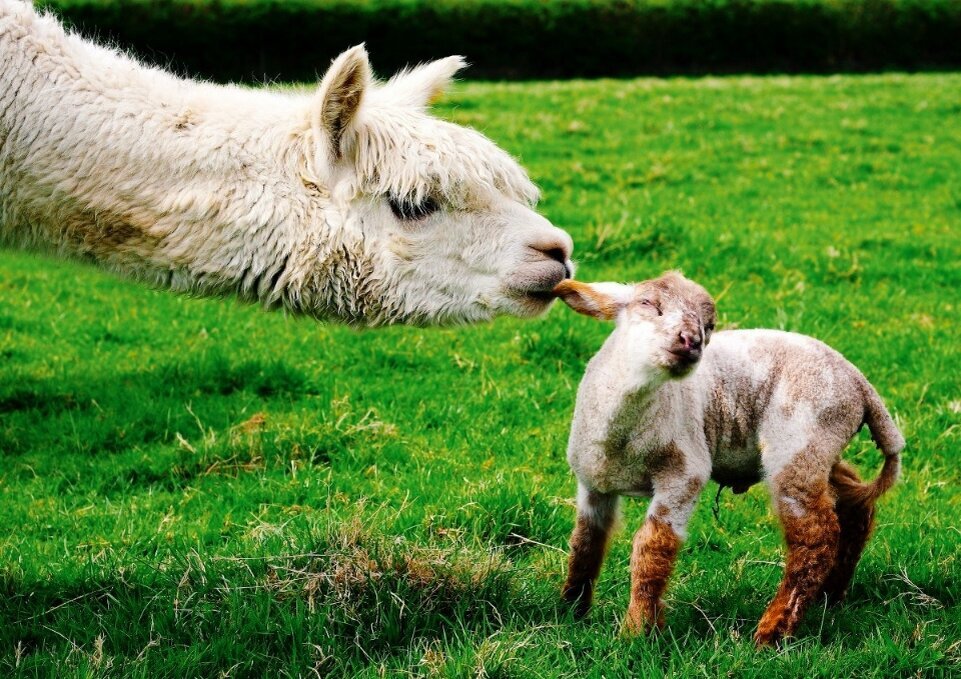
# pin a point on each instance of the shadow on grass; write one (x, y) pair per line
(205, 376)
(109, 413)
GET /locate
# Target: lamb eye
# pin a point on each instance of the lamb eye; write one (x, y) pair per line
(652, 305)
(408, 211)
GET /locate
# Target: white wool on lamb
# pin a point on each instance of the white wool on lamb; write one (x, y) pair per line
(668, 404)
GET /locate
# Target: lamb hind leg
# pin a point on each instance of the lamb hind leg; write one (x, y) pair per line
(595, 518)
(856, 521)
(811, 530)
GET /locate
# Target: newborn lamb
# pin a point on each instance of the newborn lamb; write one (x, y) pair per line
(761, 404)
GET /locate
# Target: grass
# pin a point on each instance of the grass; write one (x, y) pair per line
(197, 488)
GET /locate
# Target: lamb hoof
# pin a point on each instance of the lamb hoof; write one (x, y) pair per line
(578, 601)
(767, 638)
(834, 597)
(638, 622)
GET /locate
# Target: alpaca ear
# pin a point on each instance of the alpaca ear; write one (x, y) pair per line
(600, 300)
(340, 95)
(420, 86)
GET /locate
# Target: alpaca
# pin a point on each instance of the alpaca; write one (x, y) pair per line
(659, 412)
(351, 203)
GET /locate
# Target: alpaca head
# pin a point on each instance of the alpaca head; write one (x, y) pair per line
(666, 322)
(437, 219)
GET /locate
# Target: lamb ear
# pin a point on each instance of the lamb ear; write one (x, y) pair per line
(600, 300)
(340, 95)
(423, 84)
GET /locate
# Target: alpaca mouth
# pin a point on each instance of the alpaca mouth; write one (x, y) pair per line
(537, 296)
(532, 302)
(543, 296)
(531, 287)
(537, 281)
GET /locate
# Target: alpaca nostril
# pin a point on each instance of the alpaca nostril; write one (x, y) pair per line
(557, 254)
(552, 243)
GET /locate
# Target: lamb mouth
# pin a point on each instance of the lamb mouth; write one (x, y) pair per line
(682, 362)
(689, 355)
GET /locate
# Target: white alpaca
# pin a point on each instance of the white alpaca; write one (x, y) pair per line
(351, 203)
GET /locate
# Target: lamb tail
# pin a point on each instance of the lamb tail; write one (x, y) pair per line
(888, 438)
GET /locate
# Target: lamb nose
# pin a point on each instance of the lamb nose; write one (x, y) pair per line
(690, 340)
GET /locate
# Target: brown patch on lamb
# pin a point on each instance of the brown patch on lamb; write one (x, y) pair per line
(652, 561)
(811, 530)
(588, 547)
(735, 408)
(104, 234)
(856, 521)
(585, 300)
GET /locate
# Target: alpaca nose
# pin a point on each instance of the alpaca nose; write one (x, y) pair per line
(556, 245)
(555, 253)
(559, 255)
(691, 341)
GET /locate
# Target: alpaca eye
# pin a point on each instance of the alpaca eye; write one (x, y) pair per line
(408, 211)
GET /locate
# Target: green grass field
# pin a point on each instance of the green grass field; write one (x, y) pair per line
(198, 488)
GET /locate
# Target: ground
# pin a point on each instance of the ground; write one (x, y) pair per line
(196, 487)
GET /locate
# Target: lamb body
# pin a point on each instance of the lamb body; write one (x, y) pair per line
(756, 401)
(659, 412)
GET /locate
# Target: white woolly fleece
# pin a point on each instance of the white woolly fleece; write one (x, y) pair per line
(216, 189)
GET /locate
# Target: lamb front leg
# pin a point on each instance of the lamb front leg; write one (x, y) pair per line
(655, 549)
(595, 518)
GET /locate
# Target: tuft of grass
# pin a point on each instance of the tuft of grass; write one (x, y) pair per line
(196, 488)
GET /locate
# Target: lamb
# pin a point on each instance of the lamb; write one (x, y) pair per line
(349, 203)
(659, 412)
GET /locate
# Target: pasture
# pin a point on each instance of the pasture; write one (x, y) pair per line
(197, 488)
